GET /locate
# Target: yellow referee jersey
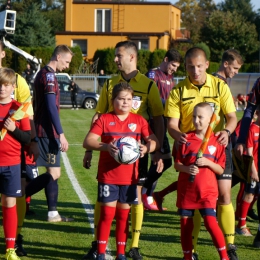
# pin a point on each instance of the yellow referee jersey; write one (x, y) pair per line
(185, 96)
(146, 100)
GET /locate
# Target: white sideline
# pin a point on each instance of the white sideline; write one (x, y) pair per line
(83, 198)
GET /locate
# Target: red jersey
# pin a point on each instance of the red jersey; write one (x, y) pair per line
(110, 127)
(164, 82)
(203, 192)
(10, 148)
(252, 141)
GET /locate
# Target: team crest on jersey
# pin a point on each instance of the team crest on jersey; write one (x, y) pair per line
(151, 74)
(50, 76)
(256, 134)
(136, 102)
(212, 149)
(112, 123)
(132, 127)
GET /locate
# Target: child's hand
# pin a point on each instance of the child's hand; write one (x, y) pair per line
(193, 169)
(202, 161)
(254, 176)
(9, 124)
(143, 149)
(112, 149)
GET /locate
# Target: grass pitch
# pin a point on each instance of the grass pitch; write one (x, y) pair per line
(160, 237)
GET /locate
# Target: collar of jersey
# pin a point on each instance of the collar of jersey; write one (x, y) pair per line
(136, 78)
(207, 84)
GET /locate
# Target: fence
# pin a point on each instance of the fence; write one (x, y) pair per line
(241, 83)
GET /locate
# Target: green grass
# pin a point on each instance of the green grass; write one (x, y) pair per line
(160, 237)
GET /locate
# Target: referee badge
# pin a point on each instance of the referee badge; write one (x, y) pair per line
(136, 102)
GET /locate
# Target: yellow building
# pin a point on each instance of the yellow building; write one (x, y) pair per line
(101, 24)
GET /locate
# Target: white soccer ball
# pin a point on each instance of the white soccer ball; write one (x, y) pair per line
(128, 150)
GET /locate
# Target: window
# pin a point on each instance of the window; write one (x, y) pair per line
(83, 44)
(142, 44)
(103, 20)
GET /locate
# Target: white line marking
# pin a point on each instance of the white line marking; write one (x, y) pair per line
(83, 198)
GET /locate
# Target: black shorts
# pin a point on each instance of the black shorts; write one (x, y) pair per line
(227, 174)
(49, 152)
(253, 188)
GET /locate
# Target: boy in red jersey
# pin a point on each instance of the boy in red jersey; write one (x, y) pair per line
(201, 194)
(252, 188)
(117, 183)
(10, 152)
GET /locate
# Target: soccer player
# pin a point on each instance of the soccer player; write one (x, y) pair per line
(117, 191)
(205, 185)
(202, 87)
(146, 102)
(164, 79)
(252, 188)
(10, 151)
(21, 93)
(52, 140)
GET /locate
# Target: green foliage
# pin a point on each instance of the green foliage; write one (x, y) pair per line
(32, 29)
(76, 60)
(204, 47)
(229, 30)
(143, 61)
(213, 67)
(156, 58)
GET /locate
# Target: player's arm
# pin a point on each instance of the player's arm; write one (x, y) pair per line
(230, 126)
(254, 173)
(52, 110)
(191, 169)
(216, 168)
(151, 145)
(174, 130)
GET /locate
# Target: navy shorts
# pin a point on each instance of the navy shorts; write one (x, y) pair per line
(30, 172)
(227, 174)
(121, 193)
(49, 152)
(203, 212)
(253, 188)
(10, 180)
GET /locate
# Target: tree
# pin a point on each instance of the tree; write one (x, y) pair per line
(242, 7)
(224, 30)
(193, 15)
(32, 29)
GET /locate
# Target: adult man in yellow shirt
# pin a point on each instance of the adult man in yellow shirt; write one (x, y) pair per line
(202, 87)
(146, 102)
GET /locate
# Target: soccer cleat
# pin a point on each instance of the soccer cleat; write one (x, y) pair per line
(159, 200)
(256, 242)
(244, 231)
(101, 257)
(251, 213)
(19, 246)
(147, 206)
(60, 218)
(232, 252)
(11, 255)
(135, 254)
(195, 256)
(121, 257)
(92, 253)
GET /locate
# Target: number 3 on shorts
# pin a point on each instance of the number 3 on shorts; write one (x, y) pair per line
(104, 191)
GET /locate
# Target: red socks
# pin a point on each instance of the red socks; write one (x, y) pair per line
(106, 217)
(218, 239)
(243, 213)
(122, 229)
(9, 225)
(186, 237)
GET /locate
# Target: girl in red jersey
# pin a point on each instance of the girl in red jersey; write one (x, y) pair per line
(117, 188)
(201, 194)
